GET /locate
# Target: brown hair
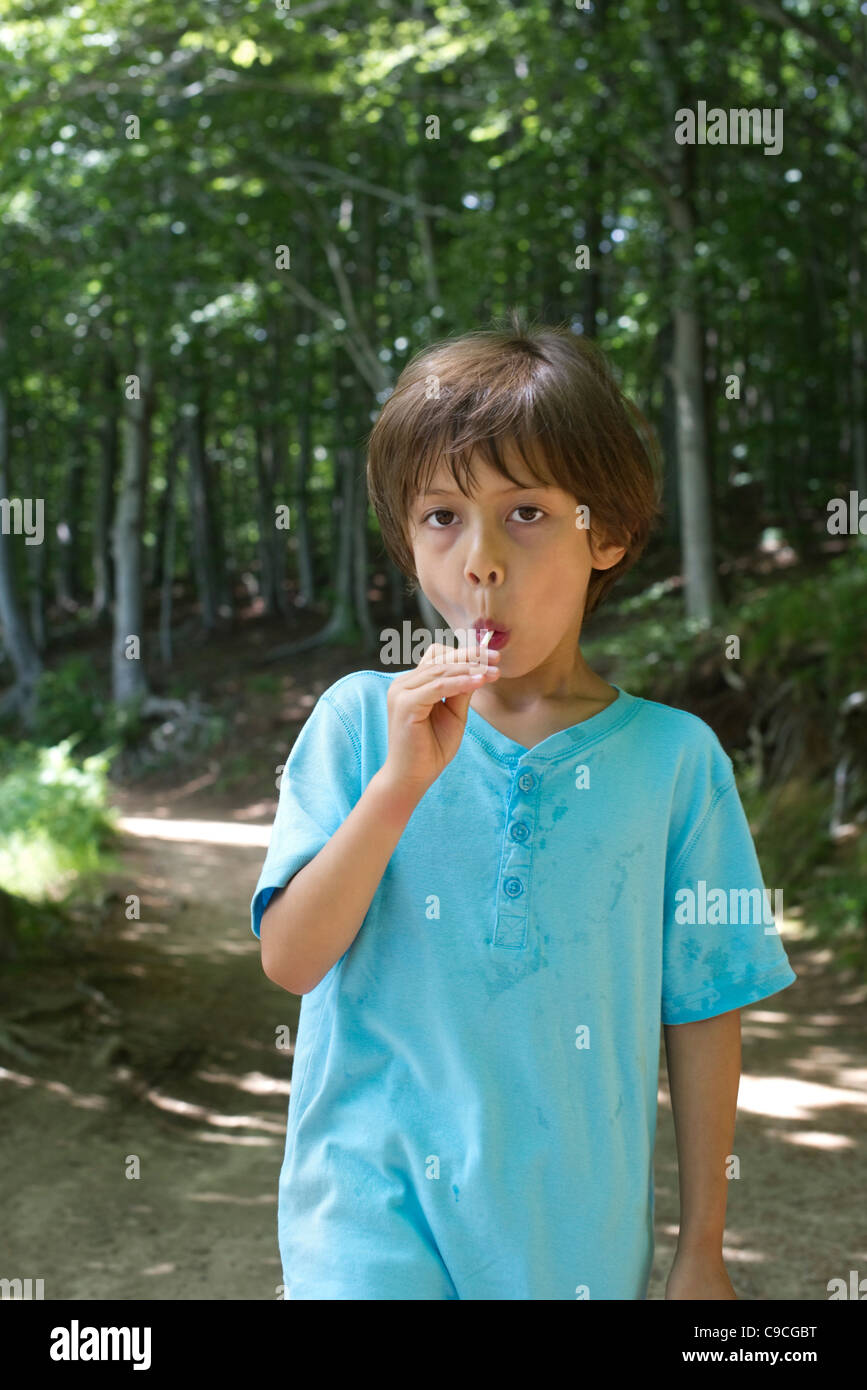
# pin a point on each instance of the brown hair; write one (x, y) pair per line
(551, 394)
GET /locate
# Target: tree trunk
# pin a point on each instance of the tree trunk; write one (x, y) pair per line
(103, 587)
(264, 461)
(281, 492)
(341, 626)
(301, 516)
(204, 563)
(153, 579)
(686, 367)
(696, 535)
(694, 493)
(128, 674)
(222, 557)
(857, 364)
(595, 164)
(413, 171)
(369, 639)
(16, 637)
(37, 556)
(232, 502)
(168, 558)
(68, 527)
(668, 434)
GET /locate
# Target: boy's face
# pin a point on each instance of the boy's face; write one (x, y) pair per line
(514, 555)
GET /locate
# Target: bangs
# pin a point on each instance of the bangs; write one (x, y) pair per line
(495, 450)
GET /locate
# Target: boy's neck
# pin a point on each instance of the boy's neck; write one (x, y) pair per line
(542, 692)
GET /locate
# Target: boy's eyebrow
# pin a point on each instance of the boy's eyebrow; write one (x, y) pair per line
(503, 491)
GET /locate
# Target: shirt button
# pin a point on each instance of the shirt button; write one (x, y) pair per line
(526, 781)
(513, 887)
(519, 831)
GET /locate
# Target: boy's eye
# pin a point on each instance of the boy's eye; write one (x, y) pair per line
(444, 511)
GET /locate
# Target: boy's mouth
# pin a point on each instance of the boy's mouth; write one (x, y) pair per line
(501, 634)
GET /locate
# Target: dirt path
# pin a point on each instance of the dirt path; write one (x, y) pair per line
(171, 1058)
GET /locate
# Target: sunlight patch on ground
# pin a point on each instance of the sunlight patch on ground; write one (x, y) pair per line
(212, 1117)
(817, 1139)
(59, 1088)
(265, 1199)
(249, 1141)
(255, 1082)
(203, 832)
(785, 1098)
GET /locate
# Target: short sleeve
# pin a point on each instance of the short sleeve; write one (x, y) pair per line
(319, 786)
(721, 944)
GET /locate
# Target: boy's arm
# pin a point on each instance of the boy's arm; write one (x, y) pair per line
(704, 1067)
(310, 923)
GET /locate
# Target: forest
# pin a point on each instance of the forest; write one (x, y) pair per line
(226, 228)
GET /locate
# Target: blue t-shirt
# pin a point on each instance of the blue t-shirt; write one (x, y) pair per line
(474, 1090)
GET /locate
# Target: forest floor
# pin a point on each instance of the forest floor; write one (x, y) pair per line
(155, 1042)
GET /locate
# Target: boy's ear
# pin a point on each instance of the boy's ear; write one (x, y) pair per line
(604, 554)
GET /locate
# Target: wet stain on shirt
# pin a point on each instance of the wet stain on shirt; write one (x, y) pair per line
(717, 961)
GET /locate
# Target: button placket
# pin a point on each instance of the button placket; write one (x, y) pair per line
(510, 932)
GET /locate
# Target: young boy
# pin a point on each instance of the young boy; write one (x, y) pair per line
(504, 874)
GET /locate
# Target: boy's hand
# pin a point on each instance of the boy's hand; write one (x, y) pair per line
(427, 712)
(699, 1276)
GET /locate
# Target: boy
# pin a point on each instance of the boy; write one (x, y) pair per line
(495, 859)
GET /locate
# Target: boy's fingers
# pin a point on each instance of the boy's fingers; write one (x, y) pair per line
(430, 675)
(453, 686)
(439, 655)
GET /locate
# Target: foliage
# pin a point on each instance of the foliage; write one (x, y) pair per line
(264, 683)
(236, 769)
(69, 704)
(803, 627)
(54, 818)
(182, 734)
(651, 649)
(813, 625)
